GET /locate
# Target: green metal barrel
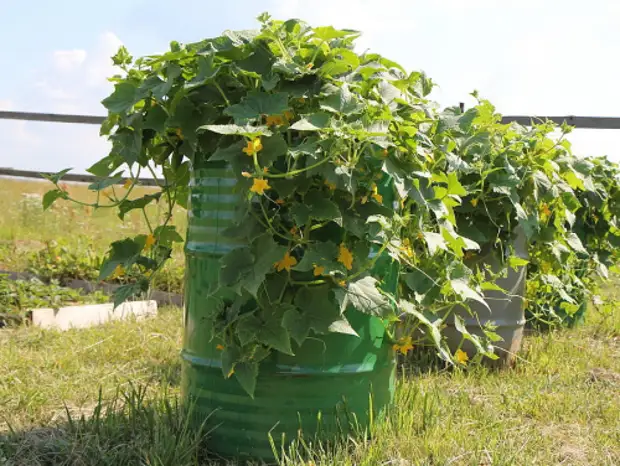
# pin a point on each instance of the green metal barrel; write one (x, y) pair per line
(331, 382)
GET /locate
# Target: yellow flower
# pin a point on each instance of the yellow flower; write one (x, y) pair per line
(385, 152)
(265, 169)
(148, 273)
(289, 115)
(119, 271)
(286, 263)
(461, 357)
(342, 283)
(544, 209)
(364, 199)
(294, 230)
(404, 345)
(345, 257)
(253, 147)
(246, 174)
(375, 194)
(318, 270)
(309, 65)
(280, 201)
(406, 248)
(128, 183)
(470, 255)
(150, 241)
(219, 347)
(474, 202)
(301, 100)
(179, 133)
(274, 120)
(331, 186)
(259, 186)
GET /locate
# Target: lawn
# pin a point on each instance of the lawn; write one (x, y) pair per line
(108, 395)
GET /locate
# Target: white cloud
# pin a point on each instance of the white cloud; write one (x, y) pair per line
(6, 105)
(68, 60)
(71, 81)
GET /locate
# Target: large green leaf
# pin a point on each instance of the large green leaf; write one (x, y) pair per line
(123, 252)
(319, 312)
(342, 101)
(246, 372)
(256, 104)
(51, 196)
(313, 122)
(129, 205)
(461, 287)
(321, 254)
(364, 296)
(237, 130)
(125, 96)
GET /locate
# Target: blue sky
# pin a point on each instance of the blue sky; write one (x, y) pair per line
(527, 57)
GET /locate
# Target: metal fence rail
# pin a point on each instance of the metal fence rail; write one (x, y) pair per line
(576, 121)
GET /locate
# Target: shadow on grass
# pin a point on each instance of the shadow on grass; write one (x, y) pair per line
(127, 430)
(130, 429)
(166, 373)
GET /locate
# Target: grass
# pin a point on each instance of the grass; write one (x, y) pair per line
(109, 395)
(559, 405)
(25, 227)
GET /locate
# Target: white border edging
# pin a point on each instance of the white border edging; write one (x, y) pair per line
(89, 315)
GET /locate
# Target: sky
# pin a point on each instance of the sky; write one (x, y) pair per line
(528, 57)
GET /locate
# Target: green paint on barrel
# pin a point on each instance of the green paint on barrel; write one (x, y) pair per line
(332, 382)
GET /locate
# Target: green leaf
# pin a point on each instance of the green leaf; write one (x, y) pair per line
(273, 147)
(459, 324)
(50, 197)
(102, 184)
(574, 180)
(166, 235)
(433, 330)
(574, 242)
(248, 328)
(228, 153)
(313, 122)
(322, 254)
(156, 119)
(301, 214)
(342, 101)
(328, 33)
(230, 357)
(435, 242)
(124, 292)
(319, 312)
(272, 332)
(124, 97)
(234, 265)
(246, 372)
(237, 130)
(462, 288)
(364, 296)
(106, 165)
(321, 208)
(128, 205)
(516, 262)
(454, 185)
(267, 252)
(123, 252)
(56, 177)
(122, 57)
(256, 104)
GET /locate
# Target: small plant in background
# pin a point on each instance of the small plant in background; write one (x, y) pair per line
(19, 296)
(62, 262)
